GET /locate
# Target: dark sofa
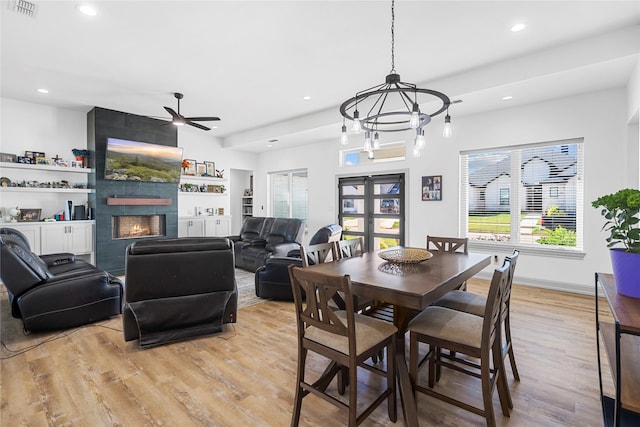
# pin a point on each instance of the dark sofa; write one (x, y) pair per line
(261, 238)
(55, 291)
(178, 288)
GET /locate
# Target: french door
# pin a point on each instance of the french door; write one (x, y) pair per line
(373, 207)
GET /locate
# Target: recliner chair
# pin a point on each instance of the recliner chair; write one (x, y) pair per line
(55, 291)
(272, 280)
(178, 288)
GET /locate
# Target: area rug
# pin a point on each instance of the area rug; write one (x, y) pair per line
(246, 289)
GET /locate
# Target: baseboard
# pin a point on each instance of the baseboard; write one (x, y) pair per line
(576, 288)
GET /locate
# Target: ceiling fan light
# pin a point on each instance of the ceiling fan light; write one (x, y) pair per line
(178, 122)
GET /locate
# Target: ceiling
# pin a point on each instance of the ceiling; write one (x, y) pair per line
(252, 62)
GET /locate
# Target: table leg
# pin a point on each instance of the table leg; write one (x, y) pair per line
(401, 317)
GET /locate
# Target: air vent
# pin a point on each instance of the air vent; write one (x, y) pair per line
(26, 8)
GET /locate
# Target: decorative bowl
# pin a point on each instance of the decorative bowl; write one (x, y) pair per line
(405, 255)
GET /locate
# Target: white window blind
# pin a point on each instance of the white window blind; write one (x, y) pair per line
(530, 195)
(288, 194)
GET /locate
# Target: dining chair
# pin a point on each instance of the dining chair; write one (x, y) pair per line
(465, 334)
(449, 244)
(349, 248)
(318, 253)
(472, 303)
(345, 337)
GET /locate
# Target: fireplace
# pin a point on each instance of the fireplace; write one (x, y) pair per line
(137, 226)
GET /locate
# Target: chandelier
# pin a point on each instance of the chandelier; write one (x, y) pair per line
(392, 106)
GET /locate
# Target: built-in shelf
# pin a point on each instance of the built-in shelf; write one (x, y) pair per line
(46, 190)
(186, 178)
(11, 165)
(199, 193)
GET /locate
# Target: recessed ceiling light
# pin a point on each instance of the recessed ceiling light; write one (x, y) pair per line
(518, 27)
(306, 98)
(507, 98)
(42, 90)
(87, 9)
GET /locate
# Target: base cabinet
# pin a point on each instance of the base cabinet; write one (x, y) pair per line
(75, 237)
(204, 226)
(191, 227)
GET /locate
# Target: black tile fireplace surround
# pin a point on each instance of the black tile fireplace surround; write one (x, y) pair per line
(126, 198)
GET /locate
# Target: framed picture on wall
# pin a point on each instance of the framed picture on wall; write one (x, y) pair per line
(432, 188)
(201, 169)
(29, 215)
(211, 168)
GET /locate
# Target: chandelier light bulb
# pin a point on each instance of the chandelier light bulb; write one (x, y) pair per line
(370, 156)
(416, 152)
(367, 142)
(357, 126)
(376, 141)
(414, 122)
(344, 140)
(420, 140)
(447, 131)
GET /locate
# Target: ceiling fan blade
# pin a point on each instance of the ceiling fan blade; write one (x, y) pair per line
(203, 119)
(197, 125)
(173, 113)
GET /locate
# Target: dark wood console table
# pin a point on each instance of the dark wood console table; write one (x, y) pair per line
(621, 341)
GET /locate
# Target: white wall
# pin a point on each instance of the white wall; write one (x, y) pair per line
(599, 118)
(38, 127)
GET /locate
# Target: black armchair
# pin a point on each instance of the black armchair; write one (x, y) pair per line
(178, 288)
(54, 291)
(272, 280)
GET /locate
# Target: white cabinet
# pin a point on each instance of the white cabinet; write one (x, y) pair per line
(75, 237)
(67, 236)
(218, 226)
(204, 226)
(191, 227)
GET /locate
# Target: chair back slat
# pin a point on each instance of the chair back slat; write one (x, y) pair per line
(448, 244)
(317, 254)
(513, 259)
(493, 310)
(350, 248)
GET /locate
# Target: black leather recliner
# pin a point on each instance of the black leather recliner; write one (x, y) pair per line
(178, 288)
(55, 291)
(261, 238)
(272, 279)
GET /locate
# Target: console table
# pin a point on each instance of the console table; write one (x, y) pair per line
(621, 341)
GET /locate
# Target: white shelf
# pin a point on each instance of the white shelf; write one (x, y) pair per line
(46, 190)
(11, 165)
(199, 193)
(210, 179)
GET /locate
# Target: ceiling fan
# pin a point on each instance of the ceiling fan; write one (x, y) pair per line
(180, 120)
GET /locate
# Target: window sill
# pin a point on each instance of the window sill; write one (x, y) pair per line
(507, 249)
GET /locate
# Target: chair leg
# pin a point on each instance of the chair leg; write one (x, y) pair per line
(343, 380)
(504, 394)
(433, 366)
(297, 405)
(413, 360)
(512, 357)
(392, 404)
(353, 395)
(486, 393)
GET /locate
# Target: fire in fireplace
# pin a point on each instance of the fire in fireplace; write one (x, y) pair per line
(137, 226)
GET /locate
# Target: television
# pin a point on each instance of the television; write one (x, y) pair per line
(141, 161)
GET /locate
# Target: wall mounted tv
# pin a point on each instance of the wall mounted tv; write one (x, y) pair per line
(141, 161)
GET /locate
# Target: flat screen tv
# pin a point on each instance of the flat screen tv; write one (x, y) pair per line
(141, 161)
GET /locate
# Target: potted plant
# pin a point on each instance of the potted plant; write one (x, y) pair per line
(621, 210)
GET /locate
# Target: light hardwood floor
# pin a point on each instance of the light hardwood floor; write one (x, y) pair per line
(245, 376)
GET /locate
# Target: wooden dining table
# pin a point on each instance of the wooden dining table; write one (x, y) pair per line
(408, 287)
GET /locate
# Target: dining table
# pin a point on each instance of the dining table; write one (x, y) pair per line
(409, 288)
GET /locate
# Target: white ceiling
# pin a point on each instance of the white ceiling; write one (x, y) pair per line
(252, 62)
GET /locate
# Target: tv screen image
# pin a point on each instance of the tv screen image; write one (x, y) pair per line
(142, 161)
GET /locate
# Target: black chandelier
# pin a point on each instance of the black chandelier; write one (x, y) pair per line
(403, 108)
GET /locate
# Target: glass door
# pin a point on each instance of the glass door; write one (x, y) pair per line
(373, 207)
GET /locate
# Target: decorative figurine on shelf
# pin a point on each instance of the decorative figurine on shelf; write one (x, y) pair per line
(82, 157)
(219, 173)
(185, 165)
(13, 214)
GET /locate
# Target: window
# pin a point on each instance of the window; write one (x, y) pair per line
(288, 194)
(530, 195)
(504, 197)
(386, 153)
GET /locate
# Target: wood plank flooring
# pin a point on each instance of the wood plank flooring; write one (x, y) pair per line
(245, 376)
